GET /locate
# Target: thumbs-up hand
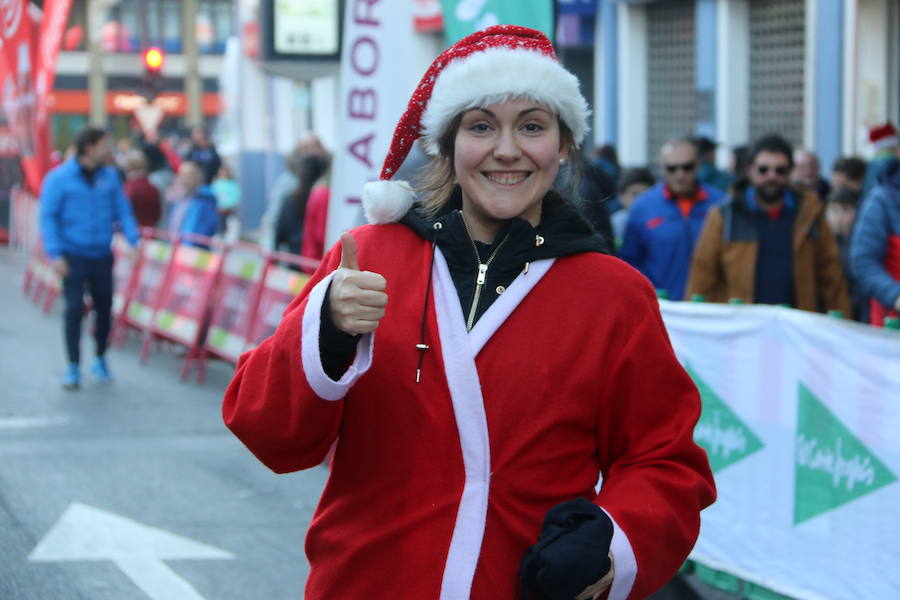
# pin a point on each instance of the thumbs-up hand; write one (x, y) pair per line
(357, 298)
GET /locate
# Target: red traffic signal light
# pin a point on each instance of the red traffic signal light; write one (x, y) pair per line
(153, 59)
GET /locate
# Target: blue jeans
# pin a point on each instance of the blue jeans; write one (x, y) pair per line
(97, 274)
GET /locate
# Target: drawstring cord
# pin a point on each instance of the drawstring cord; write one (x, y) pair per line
(422, 346)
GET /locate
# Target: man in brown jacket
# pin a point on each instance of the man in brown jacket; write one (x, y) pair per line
(769, 243)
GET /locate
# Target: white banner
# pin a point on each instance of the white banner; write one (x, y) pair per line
(381, 62)
(801, 418)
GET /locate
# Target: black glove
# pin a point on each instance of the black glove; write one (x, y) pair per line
(571, 553)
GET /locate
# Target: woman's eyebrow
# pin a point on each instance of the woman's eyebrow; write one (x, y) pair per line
(491, 114)
(484, 110)
(532, 109)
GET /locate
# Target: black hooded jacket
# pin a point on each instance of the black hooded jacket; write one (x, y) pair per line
(561, 232)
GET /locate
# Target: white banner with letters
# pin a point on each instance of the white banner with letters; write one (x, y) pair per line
(382, 60)
(801, 419)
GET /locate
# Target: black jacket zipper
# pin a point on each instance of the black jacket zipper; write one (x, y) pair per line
(481, 277)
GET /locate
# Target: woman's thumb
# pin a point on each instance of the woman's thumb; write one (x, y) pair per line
(349, 257)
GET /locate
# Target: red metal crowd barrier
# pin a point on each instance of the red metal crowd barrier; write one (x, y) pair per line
(23, 220)
(183, 300)
(42, 284)
(283, 280)
(211, 298)
(252, 286)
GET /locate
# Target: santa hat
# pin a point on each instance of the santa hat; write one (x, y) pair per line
(496, 64)
(883, 136)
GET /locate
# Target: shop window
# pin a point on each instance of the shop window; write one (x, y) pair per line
(777, 33)
(671, 87)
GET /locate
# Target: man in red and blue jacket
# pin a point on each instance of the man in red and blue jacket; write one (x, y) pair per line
(665, 221)
(875, 247)
(82, 204)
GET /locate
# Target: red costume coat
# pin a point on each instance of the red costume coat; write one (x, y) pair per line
(438, 488)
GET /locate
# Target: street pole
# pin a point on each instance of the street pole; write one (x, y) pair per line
(96, 78)
(192, 84)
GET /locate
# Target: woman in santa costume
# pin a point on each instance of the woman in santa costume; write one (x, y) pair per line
(480, 360)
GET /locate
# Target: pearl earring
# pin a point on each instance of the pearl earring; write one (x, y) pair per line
(562, 162)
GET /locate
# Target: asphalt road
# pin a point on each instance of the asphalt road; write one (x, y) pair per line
(134, 489)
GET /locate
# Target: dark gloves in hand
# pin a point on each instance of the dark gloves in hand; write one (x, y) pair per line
(571, 553)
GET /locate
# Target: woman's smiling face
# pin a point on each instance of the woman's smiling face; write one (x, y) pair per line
(506, 157)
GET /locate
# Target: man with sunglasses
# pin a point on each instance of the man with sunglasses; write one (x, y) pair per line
(664, 221)
(769, 243)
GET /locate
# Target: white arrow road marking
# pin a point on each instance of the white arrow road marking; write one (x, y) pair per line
(87, 533)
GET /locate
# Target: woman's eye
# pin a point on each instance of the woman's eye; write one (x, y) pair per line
(479, 128)
(533, 127)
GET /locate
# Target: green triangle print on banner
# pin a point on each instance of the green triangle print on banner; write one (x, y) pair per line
(832, 466)
(719, 431)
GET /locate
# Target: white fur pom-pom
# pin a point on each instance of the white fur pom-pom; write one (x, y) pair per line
(386, 201)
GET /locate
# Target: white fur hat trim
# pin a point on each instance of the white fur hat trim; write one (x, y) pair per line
(386, 201)
(885, 143)
(498, 74)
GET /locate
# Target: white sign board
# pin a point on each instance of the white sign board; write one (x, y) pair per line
(382, 61)
(306, 26)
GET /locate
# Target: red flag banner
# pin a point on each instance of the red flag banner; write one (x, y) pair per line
(15, 29)
(27, 70)
(16, 75)
(53, 25)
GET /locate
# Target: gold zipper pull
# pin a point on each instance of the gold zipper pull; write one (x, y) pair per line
(482, 273)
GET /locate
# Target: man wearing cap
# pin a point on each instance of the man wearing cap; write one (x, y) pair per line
(769, 243)
(885, 144)
(664, 221)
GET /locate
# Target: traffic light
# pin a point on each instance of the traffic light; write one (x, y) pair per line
(153, 59)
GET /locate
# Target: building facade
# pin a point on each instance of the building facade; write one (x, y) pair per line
(123, 30)
(820, 72)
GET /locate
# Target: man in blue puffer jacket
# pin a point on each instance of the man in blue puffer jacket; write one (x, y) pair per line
(82, 204)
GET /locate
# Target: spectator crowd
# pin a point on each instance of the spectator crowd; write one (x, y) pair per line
(183, 186)
(771, 230)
